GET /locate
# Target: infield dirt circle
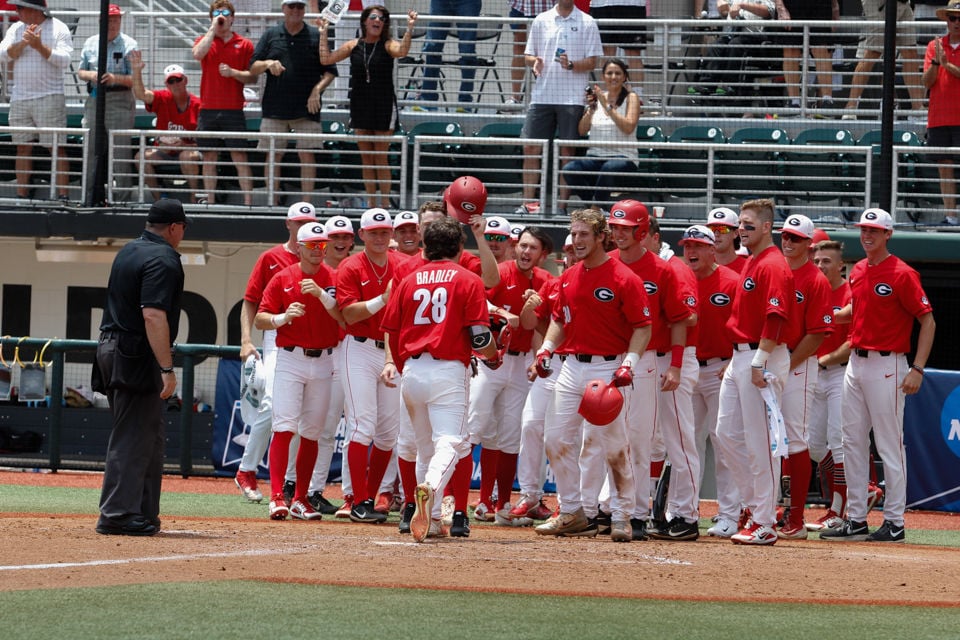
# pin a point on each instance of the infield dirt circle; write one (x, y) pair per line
(63, 550)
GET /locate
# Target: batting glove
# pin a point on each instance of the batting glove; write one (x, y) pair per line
(544, 368)
(623, 377)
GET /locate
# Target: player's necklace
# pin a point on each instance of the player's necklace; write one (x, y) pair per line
(378, 276)
(368, 58)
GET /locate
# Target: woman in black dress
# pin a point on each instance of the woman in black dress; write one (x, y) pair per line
(373, 102)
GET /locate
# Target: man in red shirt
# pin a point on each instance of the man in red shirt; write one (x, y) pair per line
(887, 298)
(810, 322)
(602, 320)
(761, 309)
(224, 58)
(716, 287)
(298, 303)
(436, 317)
(941, 66)
(177, 110)
(824, 437)
(269, 264)
(724, 223)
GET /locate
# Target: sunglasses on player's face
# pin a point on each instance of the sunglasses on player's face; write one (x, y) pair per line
(226, 13)
(174, 80)
(493, 237)
(720, 229)
(314, 246)
(792, 237)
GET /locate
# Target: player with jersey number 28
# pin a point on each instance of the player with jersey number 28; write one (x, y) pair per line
(434, 319)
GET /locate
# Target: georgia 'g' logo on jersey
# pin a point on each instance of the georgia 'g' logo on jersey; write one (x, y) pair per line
(749, 284)
(882, 289)
(603, 294)
(774, 302)
(719, 299)
(800, 297)
(650, 287)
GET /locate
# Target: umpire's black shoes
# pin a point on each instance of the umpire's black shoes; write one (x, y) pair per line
(888, 532)
(136, 526)
(364, 512)
(849, 531)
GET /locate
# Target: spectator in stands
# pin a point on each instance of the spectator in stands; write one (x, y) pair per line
(224, 58)
(39, 48)
(611, 116)
(632, 39)
(722, 72)
(466, 44)
(821, 42)
(177, 110)
(373, 101)
(873, 49)
(116, 82)
(518, 68)
(290, 52)
(941, 76)
(562, 50)
(5, 5)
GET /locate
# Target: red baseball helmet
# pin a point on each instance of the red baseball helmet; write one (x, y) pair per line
(466, 196)
(630, 213)
(601, 403)
(819, 235)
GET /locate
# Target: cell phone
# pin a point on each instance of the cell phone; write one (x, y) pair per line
(588, 90)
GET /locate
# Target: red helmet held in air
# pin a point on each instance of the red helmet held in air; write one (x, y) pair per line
(601, 403)
(465, 197)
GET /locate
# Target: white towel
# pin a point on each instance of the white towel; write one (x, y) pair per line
(775, 426)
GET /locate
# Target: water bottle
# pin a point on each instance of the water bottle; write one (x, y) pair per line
(561, 44)
(334, 11)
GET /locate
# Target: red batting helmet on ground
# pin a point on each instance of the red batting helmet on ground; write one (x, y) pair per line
(601, 403)
(466, 196)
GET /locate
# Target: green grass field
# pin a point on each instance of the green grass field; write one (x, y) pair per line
(243, 609)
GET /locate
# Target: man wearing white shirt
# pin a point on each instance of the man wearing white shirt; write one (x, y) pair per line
(39, 48)
(563, 45)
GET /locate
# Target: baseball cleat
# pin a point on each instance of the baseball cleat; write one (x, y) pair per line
(289, 488)
(345, 508)
(888, 532)
(503, 518)
(384, 500)
(790, 531)
(420, 523)
(301, 509)
(755, 534)
(437, 530)
(447, 507)
(364, 512)
(246, 481)
(874, 495)
(484, 513)
(849, 531)
(406, 516)
(829, 520)
(278, 507)
(677, 529)
(321, 504)
(639, 527)
(723, 528)
(568, 525)
(620, 531)
(461, 525)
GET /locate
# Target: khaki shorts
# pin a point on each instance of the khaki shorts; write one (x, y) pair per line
(873, 40)
(300, 125)
(36, 113)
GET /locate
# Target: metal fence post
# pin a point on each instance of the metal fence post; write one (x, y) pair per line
(186, 416)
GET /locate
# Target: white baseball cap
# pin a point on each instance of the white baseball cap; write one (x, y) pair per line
(799, 225)
(301, 211)
(376, 218)
(339, 224)
(515, 231)
(698, 234)
(173, 71)
(314, 232)
(497, 225)
(723, 215)
(405, 217)
(568, 241)
(876, 218)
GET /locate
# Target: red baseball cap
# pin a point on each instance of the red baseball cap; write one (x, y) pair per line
(114, 10)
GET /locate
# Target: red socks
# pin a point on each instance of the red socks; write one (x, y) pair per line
(279, 455)
(408, 478)
(379, 459)
(506, 470)
(459, 484)
(357, 457)
(488, 474)
(306, 460)
(800, 472)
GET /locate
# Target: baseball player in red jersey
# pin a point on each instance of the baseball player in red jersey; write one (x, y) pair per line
(724, 223)
(270, 263)
(602, 320)
(503, 392)
(372, 407)
(435, 318)
(761, 308)
(406, 233)
(716, 287)
(824, 439)
(887, 298)
(299, 303)
(629, 225)
(434, 210)
(810, 322)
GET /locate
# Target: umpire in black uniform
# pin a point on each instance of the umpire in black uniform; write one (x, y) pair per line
(134, 368)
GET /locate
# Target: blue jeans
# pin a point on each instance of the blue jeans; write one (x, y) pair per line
(467, 44)
(595, 190)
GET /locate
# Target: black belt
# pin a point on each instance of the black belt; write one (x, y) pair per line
(563, 357)
(310, 353)
(865, 353)
(750, 346)
(377, 343)
(112, 89)
(709, 361)
(586, 357)
(660, 354)
(511, 352)
(824, 368)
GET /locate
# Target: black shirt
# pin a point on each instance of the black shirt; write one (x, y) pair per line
(285, 96)
(146, 273)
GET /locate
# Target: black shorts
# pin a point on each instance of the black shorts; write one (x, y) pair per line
(632, 37)
(221, 120)
(948, 136)
(806, 10)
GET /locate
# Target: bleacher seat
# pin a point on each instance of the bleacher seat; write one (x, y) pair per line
(819, 176)
(684, 171)
(745, 174)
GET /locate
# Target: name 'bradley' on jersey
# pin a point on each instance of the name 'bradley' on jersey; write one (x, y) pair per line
(435, 277)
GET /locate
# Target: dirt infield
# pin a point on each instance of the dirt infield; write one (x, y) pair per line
(57, 551)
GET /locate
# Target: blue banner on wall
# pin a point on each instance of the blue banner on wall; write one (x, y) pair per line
(931, 433)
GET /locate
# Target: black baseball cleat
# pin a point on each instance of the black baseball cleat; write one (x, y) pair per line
(364, 512)
(849, 531)
(461, 525)
(888, 532)
(406, 516)
(321, 504)
(289, 489)
(603, 522)
(677, 529)
(639, 527)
